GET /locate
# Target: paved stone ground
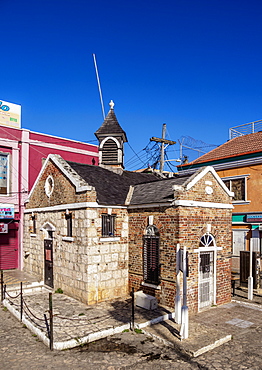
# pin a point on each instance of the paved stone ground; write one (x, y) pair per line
(19, 349)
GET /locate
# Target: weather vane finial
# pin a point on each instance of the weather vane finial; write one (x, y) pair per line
(112, 104)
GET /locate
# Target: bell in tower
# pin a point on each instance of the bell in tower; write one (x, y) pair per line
(111, 141)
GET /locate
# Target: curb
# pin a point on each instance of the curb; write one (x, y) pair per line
(254, 306)
(189, 353)
(71, 343)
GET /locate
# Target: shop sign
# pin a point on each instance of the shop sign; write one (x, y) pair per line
(10, 114)
(3, 228)
(7, 211)
(254, 218)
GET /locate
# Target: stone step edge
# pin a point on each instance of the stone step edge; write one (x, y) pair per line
(189, 354)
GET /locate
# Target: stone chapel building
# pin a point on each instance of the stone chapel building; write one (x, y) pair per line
(98, 231)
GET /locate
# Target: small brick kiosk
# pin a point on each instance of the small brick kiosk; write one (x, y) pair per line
(194, 212)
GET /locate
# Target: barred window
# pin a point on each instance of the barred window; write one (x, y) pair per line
(151, 255)
(108, 225)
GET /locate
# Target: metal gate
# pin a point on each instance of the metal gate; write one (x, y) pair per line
(245, 266)
(48, 257)
(206, 279)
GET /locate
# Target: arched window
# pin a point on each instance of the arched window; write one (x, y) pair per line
(208, 240)
(110, 152)
(151, 255)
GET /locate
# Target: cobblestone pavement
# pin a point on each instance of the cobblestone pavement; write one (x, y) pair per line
(19, 349)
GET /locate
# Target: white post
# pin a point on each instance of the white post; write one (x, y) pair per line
(250, 278)
(178, 297)
(184, 315)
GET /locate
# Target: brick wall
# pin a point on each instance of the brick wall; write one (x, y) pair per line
(184, 225)
(63, 192)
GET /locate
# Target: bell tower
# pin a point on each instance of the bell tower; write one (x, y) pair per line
(111, 138)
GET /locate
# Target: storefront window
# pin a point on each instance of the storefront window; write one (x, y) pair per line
(3, 173)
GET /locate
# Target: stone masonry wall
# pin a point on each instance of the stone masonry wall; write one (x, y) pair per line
(88, 267)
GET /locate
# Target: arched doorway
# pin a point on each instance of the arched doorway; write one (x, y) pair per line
(207, 271)
(48, 254)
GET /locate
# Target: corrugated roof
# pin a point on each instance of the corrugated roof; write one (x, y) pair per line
(240, 145)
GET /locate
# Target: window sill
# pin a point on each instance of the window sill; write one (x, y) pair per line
(109, 239)
(68, 239)
(241, 201)
(157, 287)
(32, 235)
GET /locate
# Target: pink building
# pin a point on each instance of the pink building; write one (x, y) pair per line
(22, 153)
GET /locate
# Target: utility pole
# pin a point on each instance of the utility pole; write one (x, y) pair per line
(163, 141)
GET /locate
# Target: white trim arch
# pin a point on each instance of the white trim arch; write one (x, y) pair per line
(119, 149)
(47, 228)
(107, 138)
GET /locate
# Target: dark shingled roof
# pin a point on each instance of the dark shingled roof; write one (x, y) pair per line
(157, 192)
(111, 188)
(110, 126)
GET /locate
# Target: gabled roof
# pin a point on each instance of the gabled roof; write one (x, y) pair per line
(156, 192)
(125, 188)
(239, 146)
(164, 190)
(111, 188)
(111, 127)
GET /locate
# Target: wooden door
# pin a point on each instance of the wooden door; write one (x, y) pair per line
(48, 258)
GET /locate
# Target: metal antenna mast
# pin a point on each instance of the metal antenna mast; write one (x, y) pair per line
(99, 87)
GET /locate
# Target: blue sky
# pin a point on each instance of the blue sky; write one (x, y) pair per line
(193, 64)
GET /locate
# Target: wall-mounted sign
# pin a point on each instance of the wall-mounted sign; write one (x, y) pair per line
(254, 218)
(7, 211)
(3, 228)
(10, 114)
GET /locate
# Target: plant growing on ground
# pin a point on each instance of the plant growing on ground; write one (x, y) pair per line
(59, 290)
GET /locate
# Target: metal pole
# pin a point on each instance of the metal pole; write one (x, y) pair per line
(133, 310)
(184, 314)
(162, 149)
(99, 87)
(2, 286)
(250, 278)
(178, 298)
(21, 301)
(51, 341)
